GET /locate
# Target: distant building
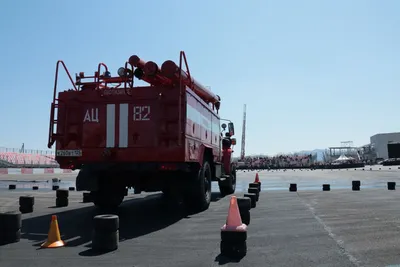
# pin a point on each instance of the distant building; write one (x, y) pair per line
(380, 142)
(368, 153)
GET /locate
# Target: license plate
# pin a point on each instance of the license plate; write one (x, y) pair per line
(69, 153)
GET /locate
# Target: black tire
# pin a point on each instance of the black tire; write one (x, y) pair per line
(12, 187)
(235, 237)
(391, 185)
(105, 241)
(167, 193)
(241, 249)
(245, 215)
(87, 197)
(10, 221)
(62, 193)
(233, 249)
(254, 191)
(55, 187)
(35, 187)
(199, 197)
(326, 187)
(253, 198)
(355, 188)
(106, 223)
(106, 200)
(293, 188)
(26, 201)
(228, 186)
(26, 209)
(8, 237)
(71, 188)
(244, 203)
(62, 202)
(255, 185)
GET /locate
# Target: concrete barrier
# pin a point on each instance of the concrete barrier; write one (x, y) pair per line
(22, 171)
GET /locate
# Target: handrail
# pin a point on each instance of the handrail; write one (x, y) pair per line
(98, 73)
(53, 104)
(180, 133)
(56, 78)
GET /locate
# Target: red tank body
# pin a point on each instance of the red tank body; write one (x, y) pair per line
(150, 138)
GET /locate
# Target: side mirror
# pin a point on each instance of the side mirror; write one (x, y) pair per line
(231, 128)
(223, 126)
(233, 140)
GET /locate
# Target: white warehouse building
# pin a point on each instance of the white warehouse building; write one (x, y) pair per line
(380, 141)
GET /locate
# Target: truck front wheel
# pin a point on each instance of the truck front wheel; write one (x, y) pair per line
(228, 186)
(106, 200)
(199, 195)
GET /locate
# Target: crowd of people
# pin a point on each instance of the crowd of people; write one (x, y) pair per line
(280, 161)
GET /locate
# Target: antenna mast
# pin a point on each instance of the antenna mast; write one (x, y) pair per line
(242, 151)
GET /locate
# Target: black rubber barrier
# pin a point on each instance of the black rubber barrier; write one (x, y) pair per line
(391, 185)
(326, 187)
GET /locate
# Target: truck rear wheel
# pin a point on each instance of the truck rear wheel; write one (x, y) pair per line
(199, 195)
(106, 200)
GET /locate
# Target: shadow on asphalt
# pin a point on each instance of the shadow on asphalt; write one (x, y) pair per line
(222, 260)
(216, 196)
(138, 217)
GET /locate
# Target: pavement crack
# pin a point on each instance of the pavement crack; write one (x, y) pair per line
(338, 241)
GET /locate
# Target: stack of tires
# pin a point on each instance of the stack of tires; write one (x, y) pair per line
(355, 185)
(105, 236)
(62, 197)
(10, 227)
(244, 204)
(293, 188)
(26, 204)
(253, 199)
(326, 187)
(391, 185)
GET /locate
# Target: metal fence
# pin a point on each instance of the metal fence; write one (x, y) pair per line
(28, 151)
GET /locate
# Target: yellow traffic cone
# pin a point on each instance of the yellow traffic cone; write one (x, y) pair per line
(53, 238)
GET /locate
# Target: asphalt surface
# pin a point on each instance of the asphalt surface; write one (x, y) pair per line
(305, 228)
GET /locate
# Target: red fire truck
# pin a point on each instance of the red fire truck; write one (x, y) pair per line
(165, 136)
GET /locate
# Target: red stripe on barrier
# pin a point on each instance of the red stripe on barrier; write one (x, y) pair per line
(26, 171)
(67, 171)
(3, 171)
(49, 170)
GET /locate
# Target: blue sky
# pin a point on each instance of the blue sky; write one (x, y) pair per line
(312, 73)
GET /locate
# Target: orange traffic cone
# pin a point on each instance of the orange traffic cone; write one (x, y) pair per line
(234, 221)
(257, 180)
(234, 232)
(53, 238)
